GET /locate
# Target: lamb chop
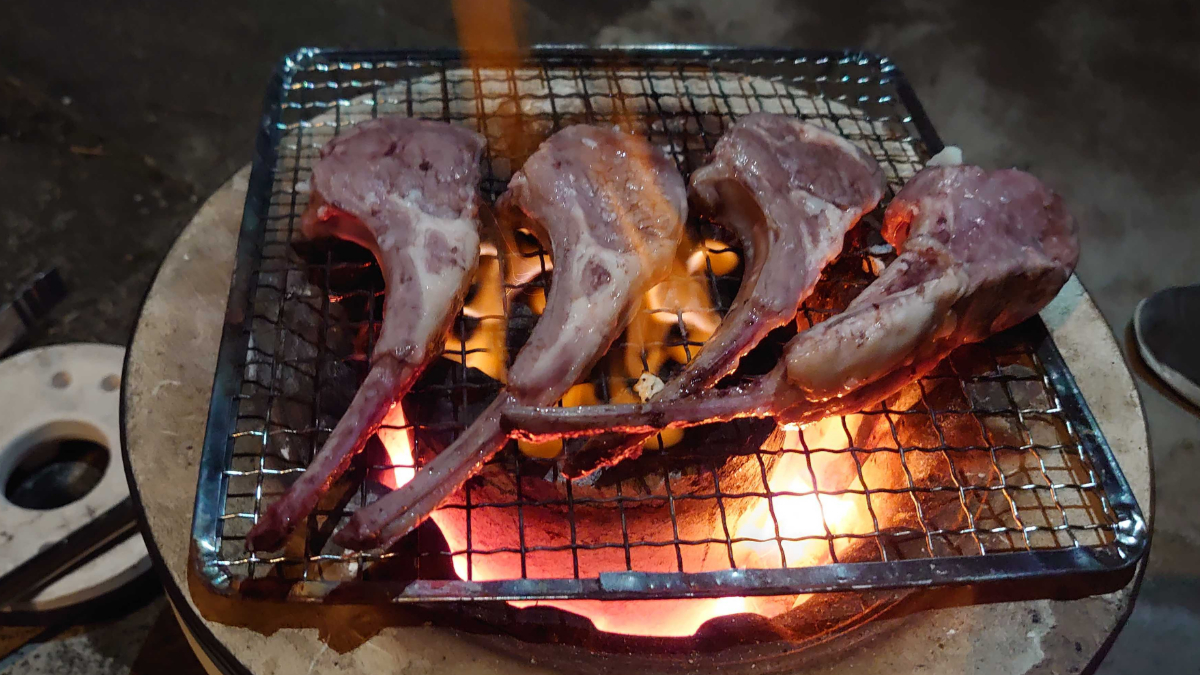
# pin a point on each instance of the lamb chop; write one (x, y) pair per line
(612, 209)
(407, 190)
(790, 191)
(980, 252)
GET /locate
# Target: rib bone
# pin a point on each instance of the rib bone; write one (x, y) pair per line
(407, 190)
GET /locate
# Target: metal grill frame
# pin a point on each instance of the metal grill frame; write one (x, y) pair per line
(1120, 555)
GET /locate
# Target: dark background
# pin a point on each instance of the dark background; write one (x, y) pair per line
(117, 119)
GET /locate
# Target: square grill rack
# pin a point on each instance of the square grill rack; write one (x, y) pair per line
(998, 469)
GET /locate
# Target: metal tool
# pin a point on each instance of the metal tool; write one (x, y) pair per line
(85, 543)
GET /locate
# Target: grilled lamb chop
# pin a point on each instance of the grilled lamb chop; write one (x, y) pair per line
(790, 191)
(612, 208)
(980, 252)
(407, 190)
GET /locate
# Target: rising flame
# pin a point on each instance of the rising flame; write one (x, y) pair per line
(487, 32)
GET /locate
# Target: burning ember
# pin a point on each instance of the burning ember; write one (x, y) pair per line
(805, 521)
(800, 513)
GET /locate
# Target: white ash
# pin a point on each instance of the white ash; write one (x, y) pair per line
(647, 386)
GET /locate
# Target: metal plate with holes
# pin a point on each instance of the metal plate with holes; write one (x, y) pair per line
(62, 492)
(992, 468)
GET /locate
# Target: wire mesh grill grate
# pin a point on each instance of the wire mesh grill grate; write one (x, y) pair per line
(992, 453)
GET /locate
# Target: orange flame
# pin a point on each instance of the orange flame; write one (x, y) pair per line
(485, 349)
(679, 617)
(806, 519)
(802, 514)
(487, 29)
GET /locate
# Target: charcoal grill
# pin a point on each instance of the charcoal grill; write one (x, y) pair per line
(1000, 472)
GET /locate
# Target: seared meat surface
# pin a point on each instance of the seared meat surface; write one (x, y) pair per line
(611, 208)
(407, 190)
(790, 191)
(979, 252)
